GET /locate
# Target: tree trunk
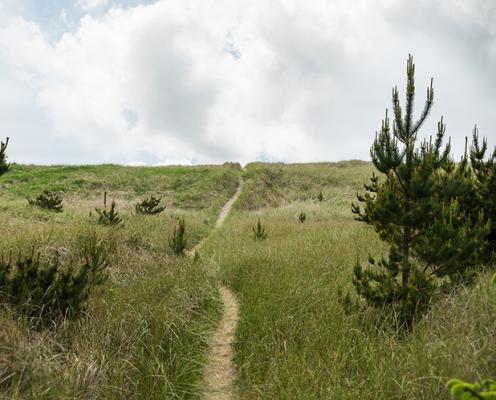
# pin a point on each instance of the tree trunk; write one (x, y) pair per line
(405, 276)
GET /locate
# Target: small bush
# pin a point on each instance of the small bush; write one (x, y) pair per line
(302, 217)
(177, 242)
(51, 289)
(110, 217)
(320, 196)
(259, 231)
(461, 390)
(48, 201)
(149, 206)
(4, 166)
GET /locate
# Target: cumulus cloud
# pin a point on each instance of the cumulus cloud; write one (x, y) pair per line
(197, 82)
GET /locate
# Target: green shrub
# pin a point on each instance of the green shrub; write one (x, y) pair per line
(302, 217)
(46, 290)
(149, 206)
(460, 390)
(4, 166)
(178, 241)
(48, 201)
(259, 231)
(110, 217)
(320, 196)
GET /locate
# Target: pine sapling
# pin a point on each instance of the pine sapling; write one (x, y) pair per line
(47, 290)
(108, 217)
(149, 206)
(259, 231)
(48, 201)
(178, 241)
(483, 176)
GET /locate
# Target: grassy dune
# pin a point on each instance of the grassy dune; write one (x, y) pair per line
(294, 340)
(146, 330)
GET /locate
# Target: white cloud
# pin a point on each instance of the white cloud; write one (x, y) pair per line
(188, 81)
(88, 5)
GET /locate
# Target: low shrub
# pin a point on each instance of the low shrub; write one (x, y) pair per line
(47, 290)
(48, 201)
(149, 206)
(302, 217)
(461, 390)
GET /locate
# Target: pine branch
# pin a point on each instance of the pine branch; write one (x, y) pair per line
(427, 109)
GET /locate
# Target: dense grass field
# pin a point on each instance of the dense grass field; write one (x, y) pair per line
(294, 339)
(146, 332)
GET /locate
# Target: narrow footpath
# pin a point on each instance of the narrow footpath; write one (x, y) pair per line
(220, 371)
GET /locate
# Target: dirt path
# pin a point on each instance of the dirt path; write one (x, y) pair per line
(221, 218)
(220, 371)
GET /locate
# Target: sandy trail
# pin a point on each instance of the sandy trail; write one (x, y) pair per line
(221, 218)
(220, 371)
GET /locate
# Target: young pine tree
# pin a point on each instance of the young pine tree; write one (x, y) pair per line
(259, 231)
(48, 200)
(149, 206)
(4, 166)
(429, 237)
(484, 171)
(108, 217)
(472, 182)
(178, 241)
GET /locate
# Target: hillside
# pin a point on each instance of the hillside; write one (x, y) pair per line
(146, 333)
(146, 330)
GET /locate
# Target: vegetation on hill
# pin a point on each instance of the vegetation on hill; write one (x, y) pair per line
(275, 185)
(143, 332)
(296, 340)
(195, 188)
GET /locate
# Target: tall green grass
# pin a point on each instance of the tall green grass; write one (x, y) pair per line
(145, 332)
(294, 340)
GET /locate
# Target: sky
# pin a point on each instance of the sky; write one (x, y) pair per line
(207, 81)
